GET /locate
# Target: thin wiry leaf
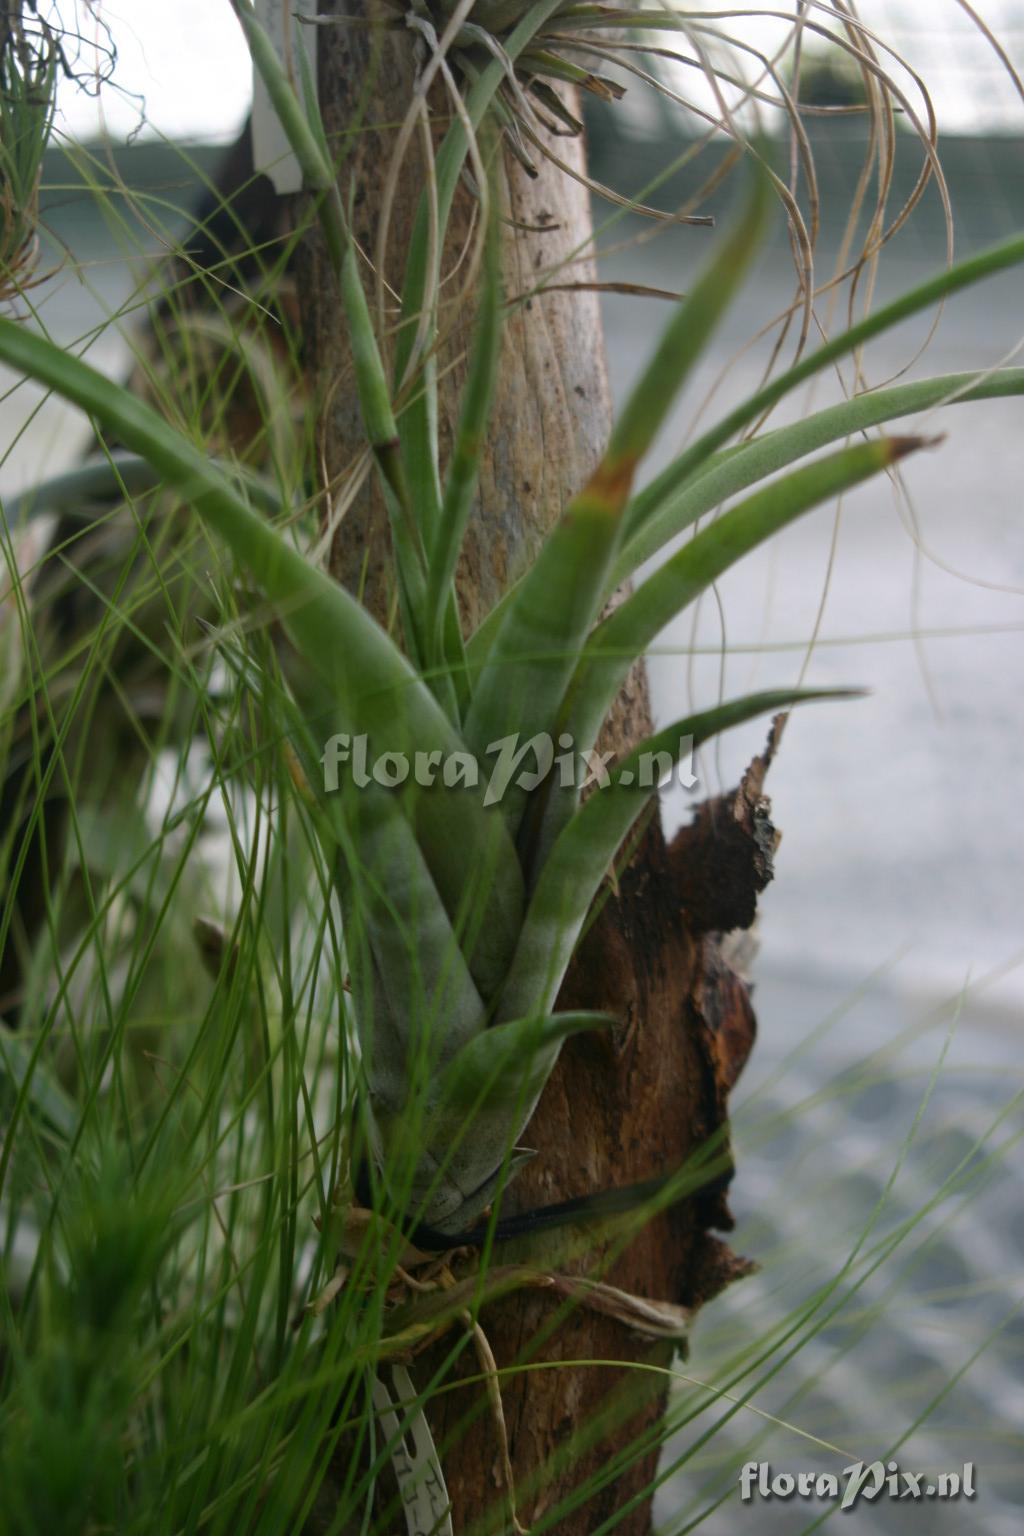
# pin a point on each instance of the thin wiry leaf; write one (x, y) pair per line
(541, 61)
(372, 686)
(418, 421)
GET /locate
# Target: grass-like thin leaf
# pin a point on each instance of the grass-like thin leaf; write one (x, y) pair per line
(374, 688)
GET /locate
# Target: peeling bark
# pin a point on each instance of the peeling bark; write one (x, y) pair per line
(724, 859)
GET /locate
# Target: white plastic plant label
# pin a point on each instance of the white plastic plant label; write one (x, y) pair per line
(414, 1459)
(270, 150)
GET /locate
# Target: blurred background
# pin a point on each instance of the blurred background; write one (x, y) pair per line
(878, 1124)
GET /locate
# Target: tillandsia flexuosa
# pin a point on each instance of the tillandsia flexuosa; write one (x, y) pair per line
(462, 909)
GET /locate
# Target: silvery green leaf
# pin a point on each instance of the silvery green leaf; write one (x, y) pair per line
(633, 626)
(433, 1008)
(479, 1106)
(586, 848)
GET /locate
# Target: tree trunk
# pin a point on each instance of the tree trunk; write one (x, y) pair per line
(643, 1100)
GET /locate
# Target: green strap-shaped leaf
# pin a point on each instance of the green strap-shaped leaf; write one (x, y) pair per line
(306, 140)
(997, 258)
(586, 847)
(545, 626)
(372, 686)
(736, 469)
(114, 477)
(417, 1003)
(432, 1006)
(633, 626)
(464, 466)
(523, 682)
(382, 435)
(688, 332)
(29, 1073)
(503, 1069)
(479, 1106)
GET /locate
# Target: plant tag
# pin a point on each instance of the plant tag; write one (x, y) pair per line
(420, 1479)
(270, 148)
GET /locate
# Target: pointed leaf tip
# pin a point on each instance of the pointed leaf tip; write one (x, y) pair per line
(900, 447)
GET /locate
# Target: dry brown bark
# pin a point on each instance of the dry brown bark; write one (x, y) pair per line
(645, 1099)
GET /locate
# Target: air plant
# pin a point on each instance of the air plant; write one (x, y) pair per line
(461, 916)
(28, 89)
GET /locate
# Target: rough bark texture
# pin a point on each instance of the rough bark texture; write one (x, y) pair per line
(725, 857)
(646, 1098)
